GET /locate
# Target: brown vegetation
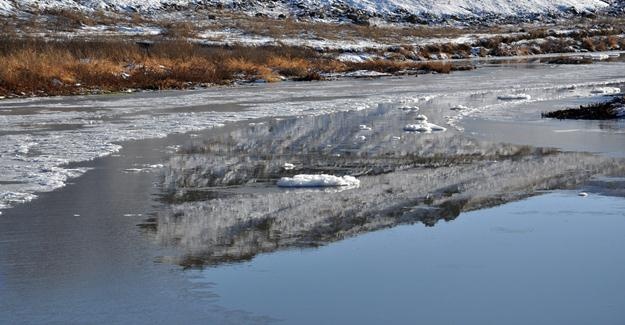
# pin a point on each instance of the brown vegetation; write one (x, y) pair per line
(33, 67)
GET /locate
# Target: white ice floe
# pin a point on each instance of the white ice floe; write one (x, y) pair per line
(459, 108)
(361, 138)
(424, 127)
(395, 138)
(606, 90)
(514, 97)
(322, 180)
(288, 166)
(364, 127)
(583, 194)
(421, 117)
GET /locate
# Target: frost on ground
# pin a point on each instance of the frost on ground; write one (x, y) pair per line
(322, 180)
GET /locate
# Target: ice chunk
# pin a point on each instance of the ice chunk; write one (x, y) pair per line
(421, 127)
(606, 90)
(424, 127)
(459, 108)
(421, 117)
(361, 138)
(322, 180)
(514, 97)
(288, 166)
(583, 194)
(364, 127)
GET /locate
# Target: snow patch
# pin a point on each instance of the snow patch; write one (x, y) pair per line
(354, 57)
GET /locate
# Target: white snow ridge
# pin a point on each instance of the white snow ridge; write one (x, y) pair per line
(466, 8)
(322, 180)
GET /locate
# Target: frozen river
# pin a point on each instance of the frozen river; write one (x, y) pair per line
(162, 207)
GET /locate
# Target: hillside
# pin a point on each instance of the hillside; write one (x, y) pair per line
(415, 11)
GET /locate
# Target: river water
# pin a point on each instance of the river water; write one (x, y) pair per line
(163, 208)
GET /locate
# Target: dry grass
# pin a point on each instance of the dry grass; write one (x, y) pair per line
(179, 29)
(36, 67)
(290, 67)
(33, 67)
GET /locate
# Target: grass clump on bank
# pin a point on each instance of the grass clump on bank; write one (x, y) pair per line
(36, 67)
(612, 109)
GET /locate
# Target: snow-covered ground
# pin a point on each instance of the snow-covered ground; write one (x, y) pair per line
(40, 136)
(372, 8)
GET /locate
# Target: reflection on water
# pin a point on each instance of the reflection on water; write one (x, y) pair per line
(224, 205)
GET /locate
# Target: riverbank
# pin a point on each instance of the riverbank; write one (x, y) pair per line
(70, 53)
(35, 67)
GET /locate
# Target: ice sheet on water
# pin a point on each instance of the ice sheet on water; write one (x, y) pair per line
(322, 180)
(606, 90)
(514, 97)
(366, 74)
(41, 136)
(240, 227)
